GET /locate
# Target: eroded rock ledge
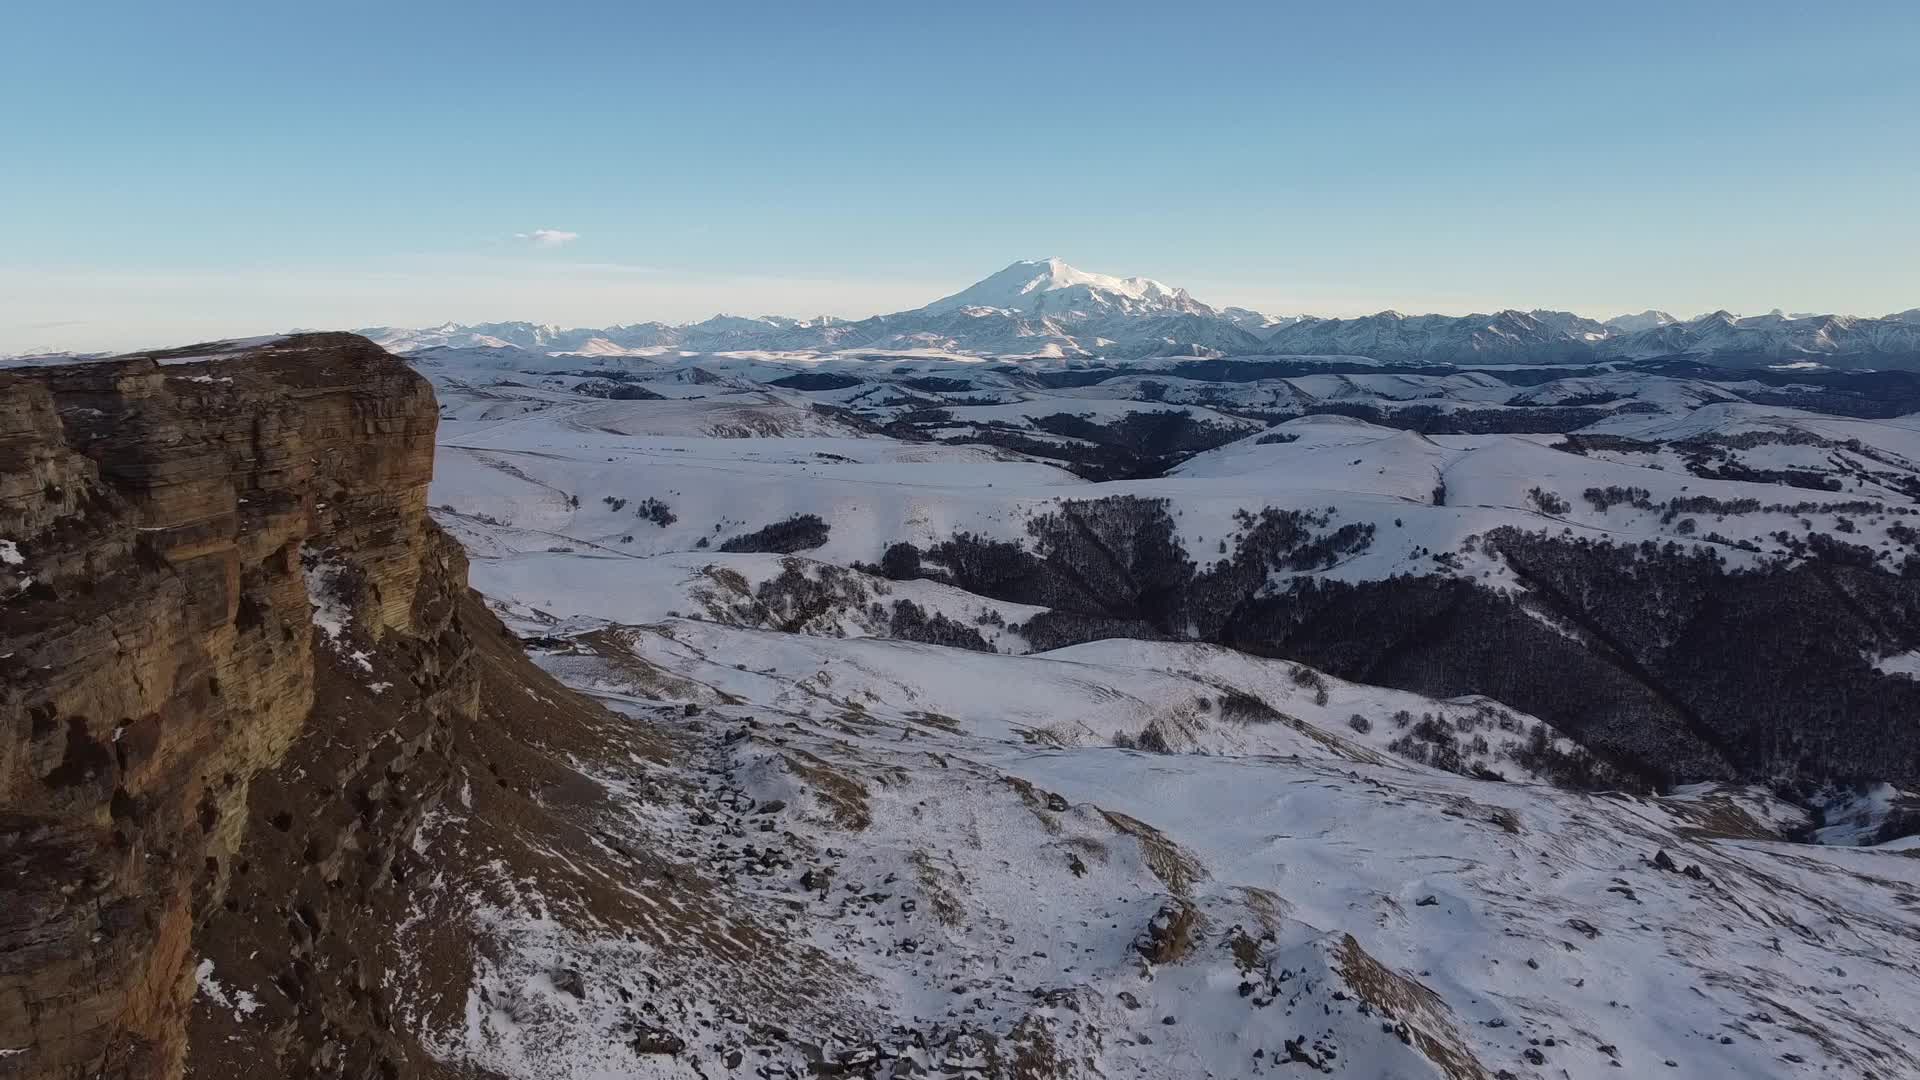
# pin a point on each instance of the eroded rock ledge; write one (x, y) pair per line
(270, 772)
(159, 655)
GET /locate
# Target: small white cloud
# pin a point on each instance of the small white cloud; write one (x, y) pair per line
(547, 238)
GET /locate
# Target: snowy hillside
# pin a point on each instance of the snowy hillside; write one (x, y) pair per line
(1213, 718)
(1022, 505)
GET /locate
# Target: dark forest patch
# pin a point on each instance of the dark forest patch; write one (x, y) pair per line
(1657, 658)
(816, 380)
(801, 532)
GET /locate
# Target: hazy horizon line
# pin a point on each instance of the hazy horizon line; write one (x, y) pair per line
(93, 309)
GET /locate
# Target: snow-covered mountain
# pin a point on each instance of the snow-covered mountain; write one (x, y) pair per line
(1051, 287)
(719, 333)
(1258, 322)
(522, 335)
(1045, 307)
(1048, 308)
(1646, 320)
(1502, 337)
(1041, 307)
(1833, 340)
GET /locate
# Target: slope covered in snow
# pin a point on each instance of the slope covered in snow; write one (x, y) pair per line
(1248, 503)
(972, 905)
(1209, 718)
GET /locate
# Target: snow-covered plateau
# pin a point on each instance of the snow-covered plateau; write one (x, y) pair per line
(1203, 717)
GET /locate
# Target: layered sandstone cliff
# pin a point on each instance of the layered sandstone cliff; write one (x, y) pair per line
(277, 790)
(158, 654)
(163, 522)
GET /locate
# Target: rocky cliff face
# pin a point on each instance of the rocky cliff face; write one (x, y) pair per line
(168, 526)
(279, 795)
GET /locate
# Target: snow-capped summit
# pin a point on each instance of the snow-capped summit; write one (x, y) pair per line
(1052, 287)
(1047, 307)
(724, 323)
(1646, 320)
(1258, 322)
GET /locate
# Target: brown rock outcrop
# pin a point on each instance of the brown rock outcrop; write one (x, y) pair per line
(158, 653)
(270, 772)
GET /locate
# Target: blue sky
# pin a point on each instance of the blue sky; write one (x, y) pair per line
(184, 171)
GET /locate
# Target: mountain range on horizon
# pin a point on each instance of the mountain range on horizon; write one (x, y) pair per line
(1049, 308)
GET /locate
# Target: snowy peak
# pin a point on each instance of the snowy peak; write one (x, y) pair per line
(1649, 319)
(1052, 287)
(1258, 322)
(1048, 307)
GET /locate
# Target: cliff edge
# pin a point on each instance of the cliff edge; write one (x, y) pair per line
(239, 666)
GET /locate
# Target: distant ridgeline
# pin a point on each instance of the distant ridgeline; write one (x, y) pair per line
(1047, 308)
